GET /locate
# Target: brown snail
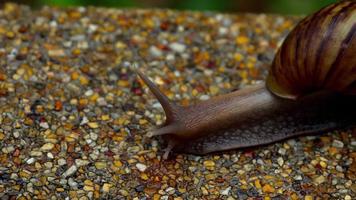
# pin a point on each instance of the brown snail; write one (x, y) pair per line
(311, 88)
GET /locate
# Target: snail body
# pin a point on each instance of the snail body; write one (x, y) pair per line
(311, 88)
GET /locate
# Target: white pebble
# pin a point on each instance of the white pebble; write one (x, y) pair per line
(204, 97)
(62, 161)
(50, 155)
(72, 183)
(70, 171)
(141, 167)
(89, 93)
(81, 162)
(338, 144)
(280, 161)
(8, 149)
(177, 47)
(16, 134)
(84, 120)
(226, 191)
(30, 161)
(170, 57)
(353, 143)
(222, 30)
(92, 28)
(44, 125)
(282, 151)
(156, 52)
(93, 136)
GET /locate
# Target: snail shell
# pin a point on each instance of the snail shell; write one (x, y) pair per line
(319, 54)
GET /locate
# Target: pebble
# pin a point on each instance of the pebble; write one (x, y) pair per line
(47, 147)
(177, 47)
(280, 161)
(70, 171)
(100, 165)
(106, 187)
(30, 161)
(338, 144)
(268, 188)
(319, 180)
(141, 167)
(226, 191)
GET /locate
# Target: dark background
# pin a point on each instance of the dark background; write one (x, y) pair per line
(230, 6)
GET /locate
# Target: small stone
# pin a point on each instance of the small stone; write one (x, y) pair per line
(117, 163)
(225, 191)
(72, 183)
(100, 165)
(323, 164)
(156, 52)
(209, 163)
(348, 197)
(61, 162)
(144, 176)
(30, 161)
(258, 184)
(36, 153)
(177, 47)
(81, 162)
(93, 125)
(70, 171)
(56, 53)
(141, 167)
(44, 125)
(88, 188)
(319, 180)
(241, 40)
(16, 134)
(282, 151)
(2, 136)
(298, 177)
(268, 188)
(308, 197)
(106, 187)
(280, 161)
(93, 136)
(47, 147)
(338, 144)
(50, 155)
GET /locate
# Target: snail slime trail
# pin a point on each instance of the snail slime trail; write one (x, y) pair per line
(310, 89)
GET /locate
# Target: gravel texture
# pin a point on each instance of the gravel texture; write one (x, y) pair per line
(73, 115)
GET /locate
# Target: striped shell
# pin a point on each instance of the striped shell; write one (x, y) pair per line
(319, 54)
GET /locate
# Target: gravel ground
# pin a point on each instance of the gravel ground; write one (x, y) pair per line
(73, 114)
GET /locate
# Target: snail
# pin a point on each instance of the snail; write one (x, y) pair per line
(310, 89)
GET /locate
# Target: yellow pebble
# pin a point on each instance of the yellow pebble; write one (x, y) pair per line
(241, 40)
(156, 197)
(323, 164)
(238, 57)
(106, 187)
(258, 184)
(294, 196)
(93, 125)
(268, 188)
(209, 163)
(117, 163)
(105, 117)
(2, 136)
(144, 176)
(308, 197)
